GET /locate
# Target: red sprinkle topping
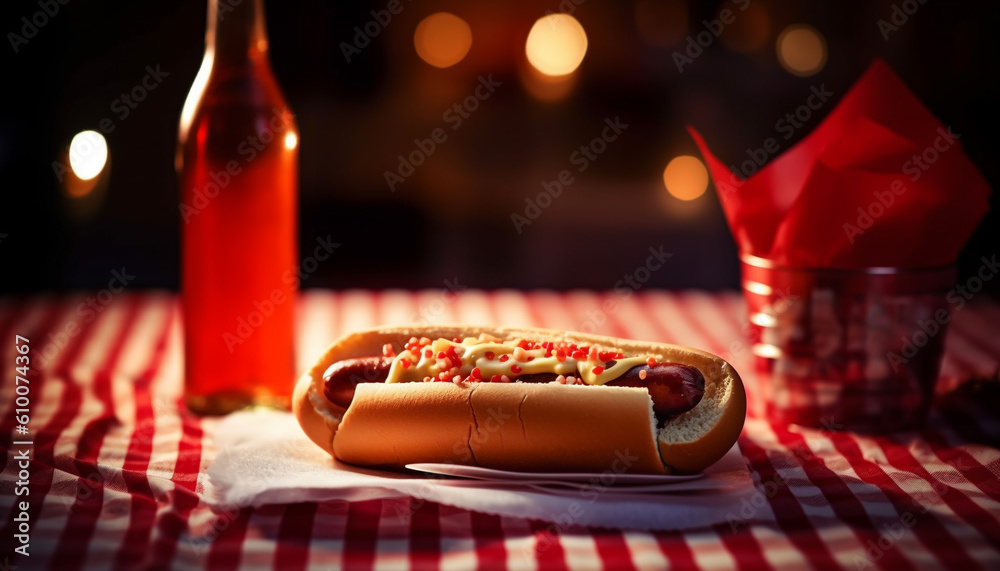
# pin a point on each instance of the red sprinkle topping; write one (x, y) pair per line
(449, 359)
(642, 374)
(650, 362)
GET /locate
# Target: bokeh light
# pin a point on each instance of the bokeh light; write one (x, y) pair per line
(801, 50)
(661, 22)
(291, 140)
(685, 177)
(442, 39)
(556, 44)
(88, 153)
(547, 88)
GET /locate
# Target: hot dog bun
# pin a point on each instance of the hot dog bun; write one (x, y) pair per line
(520, 426)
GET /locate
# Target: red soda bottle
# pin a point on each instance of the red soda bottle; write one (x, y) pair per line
(237, 161)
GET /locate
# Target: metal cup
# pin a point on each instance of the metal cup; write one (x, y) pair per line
(847, 349)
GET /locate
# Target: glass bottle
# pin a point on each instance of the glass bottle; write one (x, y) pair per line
(237, 161)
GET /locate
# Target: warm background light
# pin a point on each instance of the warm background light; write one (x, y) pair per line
(88, 153)
(556, 44)
(547, 88)
(291, 141)
(750, 31)
(84, 168)
(442, 39)
(801, 50)
(685, 177)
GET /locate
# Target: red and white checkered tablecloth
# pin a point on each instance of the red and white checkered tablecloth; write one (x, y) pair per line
(115, 461)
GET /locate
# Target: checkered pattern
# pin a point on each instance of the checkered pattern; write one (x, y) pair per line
(115, 461)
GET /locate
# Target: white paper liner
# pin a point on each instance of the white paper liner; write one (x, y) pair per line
(264, 458)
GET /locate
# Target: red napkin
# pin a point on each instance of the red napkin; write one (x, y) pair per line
(880, 182)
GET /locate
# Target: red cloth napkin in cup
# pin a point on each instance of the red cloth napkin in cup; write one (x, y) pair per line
(880, 182)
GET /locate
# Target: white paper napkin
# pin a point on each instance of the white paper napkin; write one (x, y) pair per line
(264, 458)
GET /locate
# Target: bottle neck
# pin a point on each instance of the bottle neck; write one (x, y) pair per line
(237, 31)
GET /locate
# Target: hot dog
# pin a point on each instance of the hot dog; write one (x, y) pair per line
(520, 399)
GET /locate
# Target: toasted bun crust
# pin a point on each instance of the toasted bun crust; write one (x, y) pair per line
(520, 426)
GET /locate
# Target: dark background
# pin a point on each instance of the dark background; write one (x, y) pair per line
(452, 218)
